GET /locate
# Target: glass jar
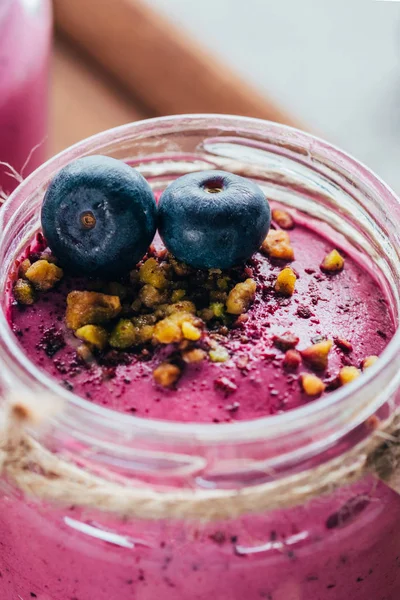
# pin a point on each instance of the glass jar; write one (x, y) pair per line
(25, 32)
(343, 543)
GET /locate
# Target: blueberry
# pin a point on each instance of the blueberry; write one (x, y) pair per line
(99, 216)
(213, 219)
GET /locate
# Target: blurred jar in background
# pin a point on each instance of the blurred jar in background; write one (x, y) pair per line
(25, 33)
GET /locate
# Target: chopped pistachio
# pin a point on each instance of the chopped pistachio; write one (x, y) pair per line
(136, 305)
(277, 245)
(369, 361)
(180, 268)
(285, 282)
(124, 334)
(43, 275)
(240, 297)
(311, 384)
(152, 273)
(184, 306)
(95, 335)
(150, 296)
(24, 292)
(348, 374)
(90, 308)
(333, 262)
(166, 374)
(218, 354)
(223, 283)
(218, 309)
(177, 295)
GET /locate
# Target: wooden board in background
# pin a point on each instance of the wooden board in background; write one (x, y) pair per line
(84, 99)
(156, 62)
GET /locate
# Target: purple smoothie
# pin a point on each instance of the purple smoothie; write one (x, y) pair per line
(24, 57)
(346, 545)
(347, 305)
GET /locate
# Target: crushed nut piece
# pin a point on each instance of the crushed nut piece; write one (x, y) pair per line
(166, 374)
(24, 292)
(317, 355)
(123, 335)
(333, 262)
(44, 275)
(283, 219)
(277, 245)
(311, 384)
(190, 332)
(151, 272)
(180, 268)
(369, 361)
(344, 345)
(90, 308)
(193, 356)
(218, 354)
(285, 341)
(285, 282)
(225, 385)
(95, 335)
(218, 309)
(241, 296)
(292, 359)
(169, 329)
(177, 295)
(84, 353)
(23, 267)
(150, 296)
(348, 374)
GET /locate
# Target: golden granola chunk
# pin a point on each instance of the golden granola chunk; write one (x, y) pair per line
(90, 308)
(194, 355)
(333, 262)
(44, 275)
(277, 245)
(348, 374)
(311, 384)
(23, 267)
(240, 297)
(24, 292)
(166, 374)
(151, 272)
(316, 356)
(124, 335)
(369, 361)
(95, 335)
(283, 219)
(190, 332)
(285, 282)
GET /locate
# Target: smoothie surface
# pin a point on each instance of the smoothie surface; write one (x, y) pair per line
(346, 307)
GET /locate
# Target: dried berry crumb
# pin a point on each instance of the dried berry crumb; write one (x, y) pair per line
(52, 341)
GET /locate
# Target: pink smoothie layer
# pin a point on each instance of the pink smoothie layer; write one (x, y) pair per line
(24, 53)
(254, 381)
(343, 546)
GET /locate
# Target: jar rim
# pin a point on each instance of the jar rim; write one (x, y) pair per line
(262, 428)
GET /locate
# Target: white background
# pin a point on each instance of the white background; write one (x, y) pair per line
(334, 64)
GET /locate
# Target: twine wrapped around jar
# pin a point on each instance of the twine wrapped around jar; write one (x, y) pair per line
(41, 474)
